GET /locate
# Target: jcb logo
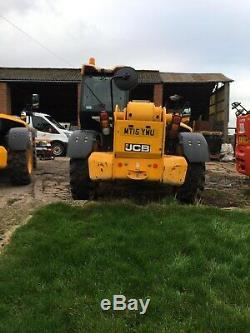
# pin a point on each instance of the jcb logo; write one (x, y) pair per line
(138, 148)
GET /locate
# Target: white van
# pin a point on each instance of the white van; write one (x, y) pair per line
(49, 129)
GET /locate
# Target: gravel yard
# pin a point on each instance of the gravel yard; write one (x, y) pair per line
(50, 184)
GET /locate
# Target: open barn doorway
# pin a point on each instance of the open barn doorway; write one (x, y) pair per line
(56, 99)
(142, 92)
(197, 96)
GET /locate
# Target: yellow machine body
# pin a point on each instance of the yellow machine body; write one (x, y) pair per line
(3, 151)
(13, 118)
(3, 157)
(138, 148)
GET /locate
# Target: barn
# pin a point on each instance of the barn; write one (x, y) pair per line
(59, 89)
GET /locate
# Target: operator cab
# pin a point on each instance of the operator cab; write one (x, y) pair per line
(99, 93)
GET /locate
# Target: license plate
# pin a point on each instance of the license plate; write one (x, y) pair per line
(147, 131)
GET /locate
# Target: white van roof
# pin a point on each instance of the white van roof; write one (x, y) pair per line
(40, 114)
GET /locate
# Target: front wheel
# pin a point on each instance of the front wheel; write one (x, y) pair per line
(58, 148)
(194, 184)
(82, 188)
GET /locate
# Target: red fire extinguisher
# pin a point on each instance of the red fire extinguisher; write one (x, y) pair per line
(104, 121)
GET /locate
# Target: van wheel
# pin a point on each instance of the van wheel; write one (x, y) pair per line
(20, 167)
(58, 148)
(82, 188)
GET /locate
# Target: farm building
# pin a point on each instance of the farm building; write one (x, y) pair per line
(59, 90)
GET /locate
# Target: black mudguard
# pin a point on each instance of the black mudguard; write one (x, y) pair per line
(19, 138)
(81, 144)
(195, 147)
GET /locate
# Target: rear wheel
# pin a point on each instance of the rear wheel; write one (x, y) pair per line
(82, 188)
(20, 167)
(194, 184)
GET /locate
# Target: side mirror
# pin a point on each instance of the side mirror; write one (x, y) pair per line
(126, 78)
(175, 98)
(35, 101)
(23, 116)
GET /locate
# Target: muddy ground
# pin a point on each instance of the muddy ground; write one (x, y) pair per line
(225, 188)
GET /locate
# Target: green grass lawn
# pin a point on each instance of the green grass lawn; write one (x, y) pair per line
(192, 262)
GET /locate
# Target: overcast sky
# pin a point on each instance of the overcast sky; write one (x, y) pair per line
(169, 35)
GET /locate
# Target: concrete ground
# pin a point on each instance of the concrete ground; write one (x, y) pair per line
(225, 188)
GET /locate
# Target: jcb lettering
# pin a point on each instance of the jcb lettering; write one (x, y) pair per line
(138, 148)
(145, 148)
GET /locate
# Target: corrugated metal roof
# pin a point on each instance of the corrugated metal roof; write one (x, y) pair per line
(73, 75)
(193, 77)
(40, 74)
(62, 75)
(146, 76)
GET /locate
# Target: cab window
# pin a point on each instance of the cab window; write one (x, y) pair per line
(42, 125)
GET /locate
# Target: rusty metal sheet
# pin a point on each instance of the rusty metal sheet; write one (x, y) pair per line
(63, 75)
(74, 75)
(193, 77)
(147, 76)
(40, 74)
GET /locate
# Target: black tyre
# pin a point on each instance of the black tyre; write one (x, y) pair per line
(82, 188)
(194, 183)
(58, 148)
(20, 166)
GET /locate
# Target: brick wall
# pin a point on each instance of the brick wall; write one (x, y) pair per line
(5, 101)
(158, 94)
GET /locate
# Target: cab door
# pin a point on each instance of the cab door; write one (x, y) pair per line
(45, 130)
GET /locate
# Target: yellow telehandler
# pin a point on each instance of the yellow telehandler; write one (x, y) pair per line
(17, 150)
(132, 140)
